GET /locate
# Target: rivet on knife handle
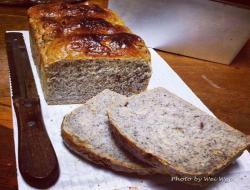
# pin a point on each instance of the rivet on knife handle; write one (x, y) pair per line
(36, 157)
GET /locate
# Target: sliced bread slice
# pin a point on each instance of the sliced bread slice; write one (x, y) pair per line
(86, 132)
(165, 131)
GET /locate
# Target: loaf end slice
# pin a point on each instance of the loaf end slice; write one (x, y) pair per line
(163, 130)
(86, 132)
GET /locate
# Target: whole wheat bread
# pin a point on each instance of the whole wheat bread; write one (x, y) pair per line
(165, 131)
(86, 132)
(81, 49)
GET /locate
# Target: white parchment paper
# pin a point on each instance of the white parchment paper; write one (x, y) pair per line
(196, 28)
(78, 174)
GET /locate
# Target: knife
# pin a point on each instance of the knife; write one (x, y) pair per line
(36, 157)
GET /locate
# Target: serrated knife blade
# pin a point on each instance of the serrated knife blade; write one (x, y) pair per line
(36, 157)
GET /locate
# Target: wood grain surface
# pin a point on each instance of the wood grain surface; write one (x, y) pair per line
(224, 89)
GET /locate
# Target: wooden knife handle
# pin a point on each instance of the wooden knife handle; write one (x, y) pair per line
(36, 157)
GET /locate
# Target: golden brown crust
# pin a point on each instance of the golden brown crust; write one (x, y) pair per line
(38, 59)
(59, 10)
(78, 31)
(120, 46)
(74, 25)
(52, 24)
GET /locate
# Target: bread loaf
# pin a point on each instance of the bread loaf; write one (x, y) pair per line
(86, 132)
(81, 49)
(165, 131)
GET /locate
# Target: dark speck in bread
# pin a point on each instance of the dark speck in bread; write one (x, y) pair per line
(201, 125)
(86, 132)
(180, 141)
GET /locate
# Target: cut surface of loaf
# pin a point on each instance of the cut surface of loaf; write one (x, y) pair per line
(86, 132)
(81, 49)
(165, 131)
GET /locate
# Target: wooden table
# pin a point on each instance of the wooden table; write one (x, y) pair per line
(224, 89)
